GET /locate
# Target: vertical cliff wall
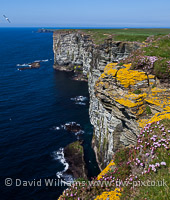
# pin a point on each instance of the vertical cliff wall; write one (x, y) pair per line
(113, 127)
(72, 52)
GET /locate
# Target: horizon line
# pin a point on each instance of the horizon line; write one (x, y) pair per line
(85, 27)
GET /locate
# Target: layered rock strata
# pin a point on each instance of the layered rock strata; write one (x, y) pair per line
(74, 50)
(128, 101)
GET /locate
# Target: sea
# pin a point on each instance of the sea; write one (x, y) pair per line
(34, 106)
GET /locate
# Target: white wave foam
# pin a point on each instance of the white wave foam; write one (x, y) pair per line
(23, 65)
(46, 60)
(59, 155)
(79, 98)
(79, 132)
(64, 127)
(28, 64)
(55, 128)
(80, 103)
(68, 178)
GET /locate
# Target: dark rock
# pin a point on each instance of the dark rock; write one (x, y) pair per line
(74, 155)
(73, 127)
(23, 68)
(34, 65)
(66, 68)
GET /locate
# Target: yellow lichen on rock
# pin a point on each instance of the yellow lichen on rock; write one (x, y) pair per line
(136, 95)
(158, 101)
(107, 169)
(167, 108)
(142, 122)
(132, 100)
(159, 97)
(157, 117)
(124, 76)
(112, 72)
(157, 90)
(109, 70)
(151, 76)
(128, 103)
(141, 110)
(127, 65)
(109, 66)
(128, 77)
(112, 195)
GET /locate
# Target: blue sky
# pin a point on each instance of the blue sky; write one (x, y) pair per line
(89, 13)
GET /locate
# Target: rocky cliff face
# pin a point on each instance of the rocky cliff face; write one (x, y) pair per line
(128, 100)
(113, 125)
(73, 52)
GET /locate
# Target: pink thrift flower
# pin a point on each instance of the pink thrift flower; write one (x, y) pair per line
(163, 163)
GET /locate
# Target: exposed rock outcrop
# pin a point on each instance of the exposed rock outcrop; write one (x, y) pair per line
(128, 100)
(72, 127)
(34, 65)
(74, 155)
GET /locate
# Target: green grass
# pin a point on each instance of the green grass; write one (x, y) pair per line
(148, 110)
(137, 91)
(139, 35)
(76, 146)
(131, 34)
(161, 68)
(159, 48)
(158, 191)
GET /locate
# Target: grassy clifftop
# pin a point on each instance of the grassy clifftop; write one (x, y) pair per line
(99, 35)
(138, 35)
(153, 57)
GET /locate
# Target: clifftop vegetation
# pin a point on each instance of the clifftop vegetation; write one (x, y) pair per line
(132, 35)
(140, 172)
(136, 35)
(153, 57)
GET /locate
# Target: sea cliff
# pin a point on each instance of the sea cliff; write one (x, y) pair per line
(74, 50)
(129, 110)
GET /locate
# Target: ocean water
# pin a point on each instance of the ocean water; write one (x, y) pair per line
(32, 103)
